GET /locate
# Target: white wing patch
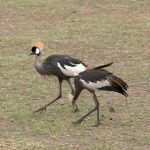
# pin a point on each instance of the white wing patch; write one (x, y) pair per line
(95, 85)
(72, 71)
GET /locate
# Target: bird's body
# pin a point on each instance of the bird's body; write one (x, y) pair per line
(100, 79)
(97, 79)
(63, 66)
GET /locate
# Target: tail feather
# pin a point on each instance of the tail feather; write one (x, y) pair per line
(119, 85)
(122, 83)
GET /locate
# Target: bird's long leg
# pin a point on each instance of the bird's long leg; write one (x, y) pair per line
(72, 89)
(96, 108)
(58, 97)
(74, 105)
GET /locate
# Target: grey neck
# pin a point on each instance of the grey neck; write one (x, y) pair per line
(37, 59)
(38, 65)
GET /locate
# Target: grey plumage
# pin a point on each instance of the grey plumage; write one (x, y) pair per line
(50, 67)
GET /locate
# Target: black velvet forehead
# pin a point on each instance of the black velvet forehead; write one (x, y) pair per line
(33, 49)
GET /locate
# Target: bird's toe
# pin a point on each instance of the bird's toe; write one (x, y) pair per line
(77, 122)
(40, 110)
(97, 124)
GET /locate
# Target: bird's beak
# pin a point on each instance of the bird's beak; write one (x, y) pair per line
(31, 54)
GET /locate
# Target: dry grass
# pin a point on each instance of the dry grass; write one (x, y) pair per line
(97, 31)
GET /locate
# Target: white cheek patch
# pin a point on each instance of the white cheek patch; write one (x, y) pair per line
(37, 51)
(95, 85)
(72, 71)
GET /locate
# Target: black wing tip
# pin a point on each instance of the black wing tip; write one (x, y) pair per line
(125, 94)
(103, 66)
(84, 64)
(110, 63)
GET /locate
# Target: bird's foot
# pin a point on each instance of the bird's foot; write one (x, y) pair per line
(75, 108)
(97, 124)
(77, 122)
(41, 110)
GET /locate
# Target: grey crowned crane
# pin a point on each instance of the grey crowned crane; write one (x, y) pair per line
(62, 66)
(96, 79)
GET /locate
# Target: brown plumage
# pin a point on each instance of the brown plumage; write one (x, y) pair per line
(119, 84)
(97, 79)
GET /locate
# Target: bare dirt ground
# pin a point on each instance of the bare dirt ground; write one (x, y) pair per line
(96, 31)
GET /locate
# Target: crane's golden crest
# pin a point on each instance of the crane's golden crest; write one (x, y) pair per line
(38, 43)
